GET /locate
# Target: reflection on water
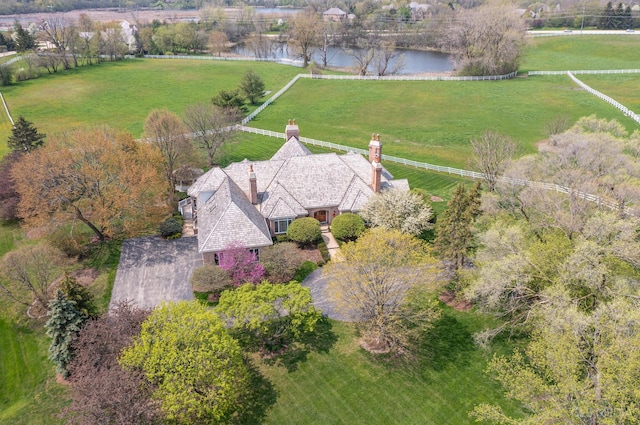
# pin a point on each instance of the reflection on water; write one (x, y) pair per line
(413, 61)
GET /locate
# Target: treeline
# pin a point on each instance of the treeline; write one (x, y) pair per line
(8, 7)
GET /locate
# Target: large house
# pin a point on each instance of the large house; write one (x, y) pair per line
(252, 201)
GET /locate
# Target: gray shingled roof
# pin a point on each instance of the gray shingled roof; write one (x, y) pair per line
(228, 216)
(291, 183)
(278, 203)
(208, 182)
(291, 148)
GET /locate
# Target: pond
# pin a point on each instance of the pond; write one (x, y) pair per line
(413, 61)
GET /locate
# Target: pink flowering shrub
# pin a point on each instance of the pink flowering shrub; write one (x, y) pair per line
(242, 264)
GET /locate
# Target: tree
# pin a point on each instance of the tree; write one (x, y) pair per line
(281, 260)
(28, 272)
(455, 232)
(230, 100)
(306, 231)
(218, 42)
(211, 126)
(252, 86)
(185, 350)
(101, 178)
(593, 158)
(305, 33)
(519, 266)
(64, 323)
(23, 38)
(374, 282)
(347, 226)
(274, 316)
(102, 392)
(9, 197)
(398, 209)
(167, 132)
(491, 155)
(241, 264)
(25, 137)
(487, 40)
(578, 368)
(211, 278)
(77, 293)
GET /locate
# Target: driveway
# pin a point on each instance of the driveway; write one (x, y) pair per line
(317, 282)
(153, 270)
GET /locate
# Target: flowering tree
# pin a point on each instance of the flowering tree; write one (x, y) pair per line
(242, 264)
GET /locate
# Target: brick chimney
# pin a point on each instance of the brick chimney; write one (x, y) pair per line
(375, 148)
(292, 130)
(375, 151)
(253, 186)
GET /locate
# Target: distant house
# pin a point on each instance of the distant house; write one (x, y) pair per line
(129, 34)
(419, 11)
(253, 201)
(334, 15)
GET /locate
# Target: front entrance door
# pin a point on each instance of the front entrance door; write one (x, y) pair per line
(321, 216)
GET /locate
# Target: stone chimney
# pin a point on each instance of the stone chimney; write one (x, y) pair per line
(292, 130)
(375, 151)
(253, 186)
(375, 148)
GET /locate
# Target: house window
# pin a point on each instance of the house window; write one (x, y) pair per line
(256, 253)
(281, 226)
(216, 259)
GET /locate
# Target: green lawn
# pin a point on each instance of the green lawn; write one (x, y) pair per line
(416, 119)
(582, 52)
(622, 87)
(29, 394)
(121, 94)
(5, 131)
(347, 386)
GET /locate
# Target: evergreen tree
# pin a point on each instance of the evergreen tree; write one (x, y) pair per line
(455, 232)
(24, 40)
(606, 20)
(252, 86)
(63, 325)
(628, 18)
(73, 291)
(619, 19)
(25, 137)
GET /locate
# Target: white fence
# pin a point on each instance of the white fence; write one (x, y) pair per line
(449, 170)
(606, 98)
(587, 71)
(270, 100)
(6, 109)
(412, 77)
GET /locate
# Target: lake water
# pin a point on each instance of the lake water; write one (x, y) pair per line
(415, 61)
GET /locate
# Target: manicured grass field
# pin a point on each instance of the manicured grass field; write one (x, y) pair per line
(29, 394)
(347, 386)
(622, 87)
(121, 94)
(431, 121)
(565, 53)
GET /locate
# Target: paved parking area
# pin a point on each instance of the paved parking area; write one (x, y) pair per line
(153, 270)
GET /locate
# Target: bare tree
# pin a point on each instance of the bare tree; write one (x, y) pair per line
(27, 274)
(167, 132)
(58, 34)
(210, 126)
(218, 42)
(305, 34)
(487, 40)
(388, 60)
(491, 155)
(364, 53)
